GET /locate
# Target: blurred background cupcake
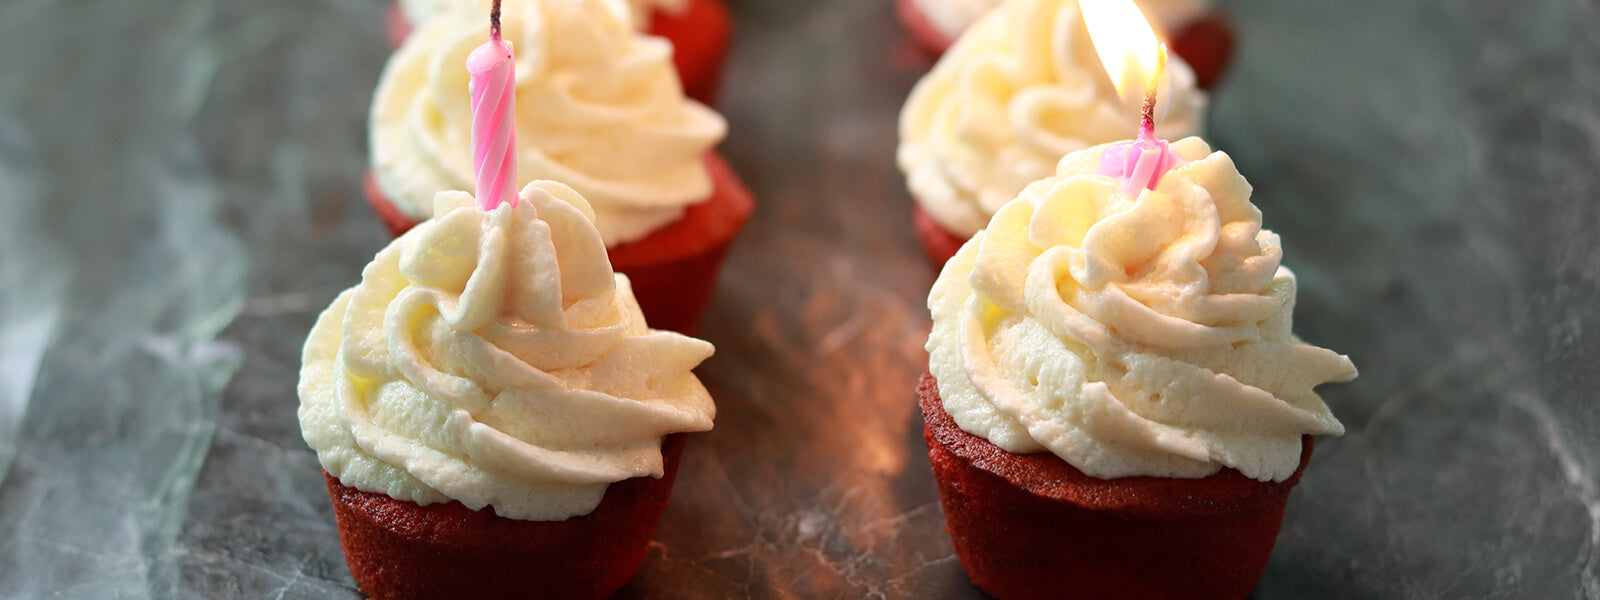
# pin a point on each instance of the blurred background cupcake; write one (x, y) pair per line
(599, 107)
(1022, 88)
(1196, 32)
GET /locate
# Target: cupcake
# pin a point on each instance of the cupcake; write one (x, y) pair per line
(1115, 402)
(700, 32)
(1023, 88)
(1195, 32)
(598, 108)
(491, 411)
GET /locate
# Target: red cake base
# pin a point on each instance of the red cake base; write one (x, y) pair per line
(396, 26)
(1206, 44)
(937, 242)
(396, 220)
(1033, 526)
(674, 269)
(922, 32)
(399, 550)
(700, 38)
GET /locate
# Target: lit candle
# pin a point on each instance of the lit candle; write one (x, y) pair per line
(1128, 48)
(494, 132)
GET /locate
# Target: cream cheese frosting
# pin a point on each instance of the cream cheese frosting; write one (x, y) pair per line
(599, 107)
(951, 17)
(420, 11)
(492, 358)
(1021, 89)
(1131, 336)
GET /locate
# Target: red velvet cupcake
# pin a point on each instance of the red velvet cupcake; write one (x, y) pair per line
(700, 31)
(1029, 525)
(1202, 37)
(1115, 403)
(492, 412)
(998, 113)
(621, 133)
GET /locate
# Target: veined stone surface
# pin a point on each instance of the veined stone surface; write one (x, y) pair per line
(181, 196)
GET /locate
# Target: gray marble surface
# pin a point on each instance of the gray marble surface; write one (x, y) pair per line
(179, 196)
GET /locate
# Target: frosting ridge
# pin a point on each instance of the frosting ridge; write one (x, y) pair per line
(1131, 336)
(492, 358)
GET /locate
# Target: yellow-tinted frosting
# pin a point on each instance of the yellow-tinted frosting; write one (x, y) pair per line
(492, 358)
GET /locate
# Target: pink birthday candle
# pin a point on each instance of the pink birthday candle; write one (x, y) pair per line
(494, 132)
(1142, 162)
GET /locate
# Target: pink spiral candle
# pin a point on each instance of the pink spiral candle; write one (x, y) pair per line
(494, 131)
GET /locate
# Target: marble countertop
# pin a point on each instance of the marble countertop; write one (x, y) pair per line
(180, 195)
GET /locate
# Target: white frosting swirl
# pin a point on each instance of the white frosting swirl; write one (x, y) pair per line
(1021, 89)
(421, 11)
(1131, 336)
(599, 107)
(951, 17)
(492, 358)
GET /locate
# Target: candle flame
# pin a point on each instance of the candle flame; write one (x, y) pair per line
(1127, 45)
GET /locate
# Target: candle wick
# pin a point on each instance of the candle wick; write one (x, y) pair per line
(1147, 119)
(494, 21)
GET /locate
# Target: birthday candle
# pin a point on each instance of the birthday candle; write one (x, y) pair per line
(494, 131)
